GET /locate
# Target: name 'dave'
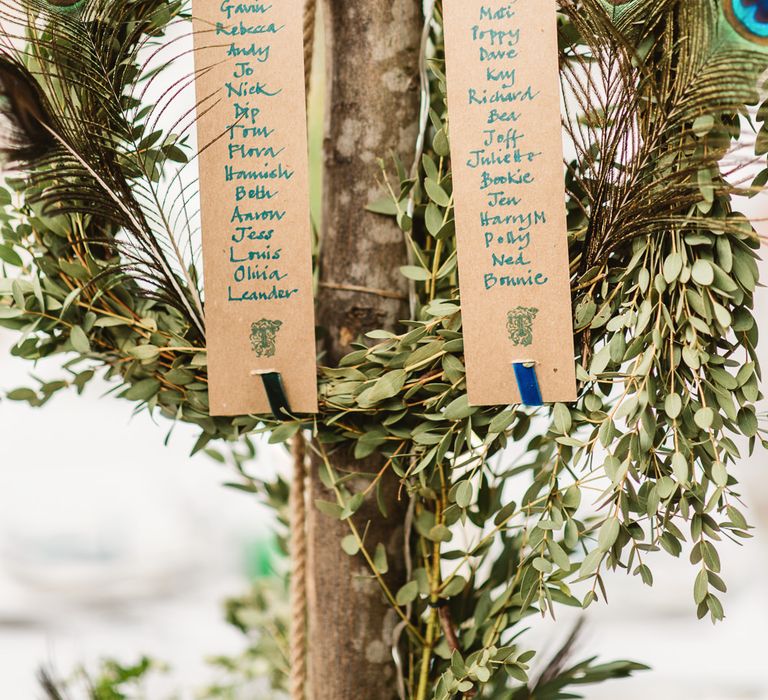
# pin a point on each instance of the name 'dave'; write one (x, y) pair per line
(507, 156)
(254, 196)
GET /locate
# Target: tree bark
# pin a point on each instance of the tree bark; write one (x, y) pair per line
(371, 112)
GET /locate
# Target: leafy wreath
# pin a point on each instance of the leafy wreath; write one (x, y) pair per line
(102, 262)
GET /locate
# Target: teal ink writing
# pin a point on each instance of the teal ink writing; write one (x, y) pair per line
(496, 115)
(261, 215)
(521, 240)
(242, 193)
(497, 96)
(246, 89)
(233, 9)
(259, 192)
(507, 76)
(508, 260)
(487, 219)
(278, 173)
(249, 273)
(523, 221)
(245, 30)
(274, 294)
(246, 112)
(260, 53)
(483, 158)
(249, 233)
(508, 140)
(268, 215)
(497, 37)
(497, 54)
(505, 12)
(252, 255)
(530, 280)
(248, 132)
(243, 69)
(519, 177)
(500, 199)
(239, 150)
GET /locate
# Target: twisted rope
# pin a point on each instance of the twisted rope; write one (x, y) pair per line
(297, 501)
(298, 518)
(310, 19)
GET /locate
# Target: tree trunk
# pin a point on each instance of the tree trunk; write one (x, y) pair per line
(371, 112)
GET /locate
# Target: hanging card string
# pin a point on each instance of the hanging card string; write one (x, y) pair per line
(297, 499)
(275, 389)
(528, 383)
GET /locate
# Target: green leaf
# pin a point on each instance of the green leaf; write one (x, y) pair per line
(433, 218)
(9, 255)
(332, 510)
(701, 587)
(386, 387)
(408, 593)
(704, 418)
(144, 352)
(719, 474)
(350, 545)
(380, 559)
(562, 418)
(143, 390)
(440, 533)
(414, 272)
(386, 206)
(352, 506)
(703, 273)
(440, 144)
(590, 564)
(79, 340)
(283, 433)
(673, 266)
(436, 193)
(680, 468)
(464, 494)
(459, 409)
(673, 406)
(454, 587)
(558, 555)
(609, 533)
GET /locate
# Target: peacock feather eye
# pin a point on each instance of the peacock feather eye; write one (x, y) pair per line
(749, 18)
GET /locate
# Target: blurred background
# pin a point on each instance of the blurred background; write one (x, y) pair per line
(113, 544)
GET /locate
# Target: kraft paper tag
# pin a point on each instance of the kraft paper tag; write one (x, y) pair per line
(254, 197)
(507, 158)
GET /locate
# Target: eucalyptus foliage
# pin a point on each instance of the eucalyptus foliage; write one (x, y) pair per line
(663, 274)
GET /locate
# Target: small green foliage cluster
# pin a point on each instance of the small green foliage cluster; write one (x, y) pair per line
(663, 274)
(262, 616)
(114, 680)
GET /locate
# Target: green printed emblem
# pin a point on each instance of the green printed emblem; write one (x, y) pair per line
(520, 325)
(264, 337)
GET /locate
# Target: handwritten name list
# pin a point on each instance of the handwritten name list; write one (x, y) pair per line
(254, 192)
(507, 155)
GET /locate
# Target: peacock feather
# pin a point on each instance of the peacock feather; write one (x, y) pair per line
(749, 18)
(75, 77)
